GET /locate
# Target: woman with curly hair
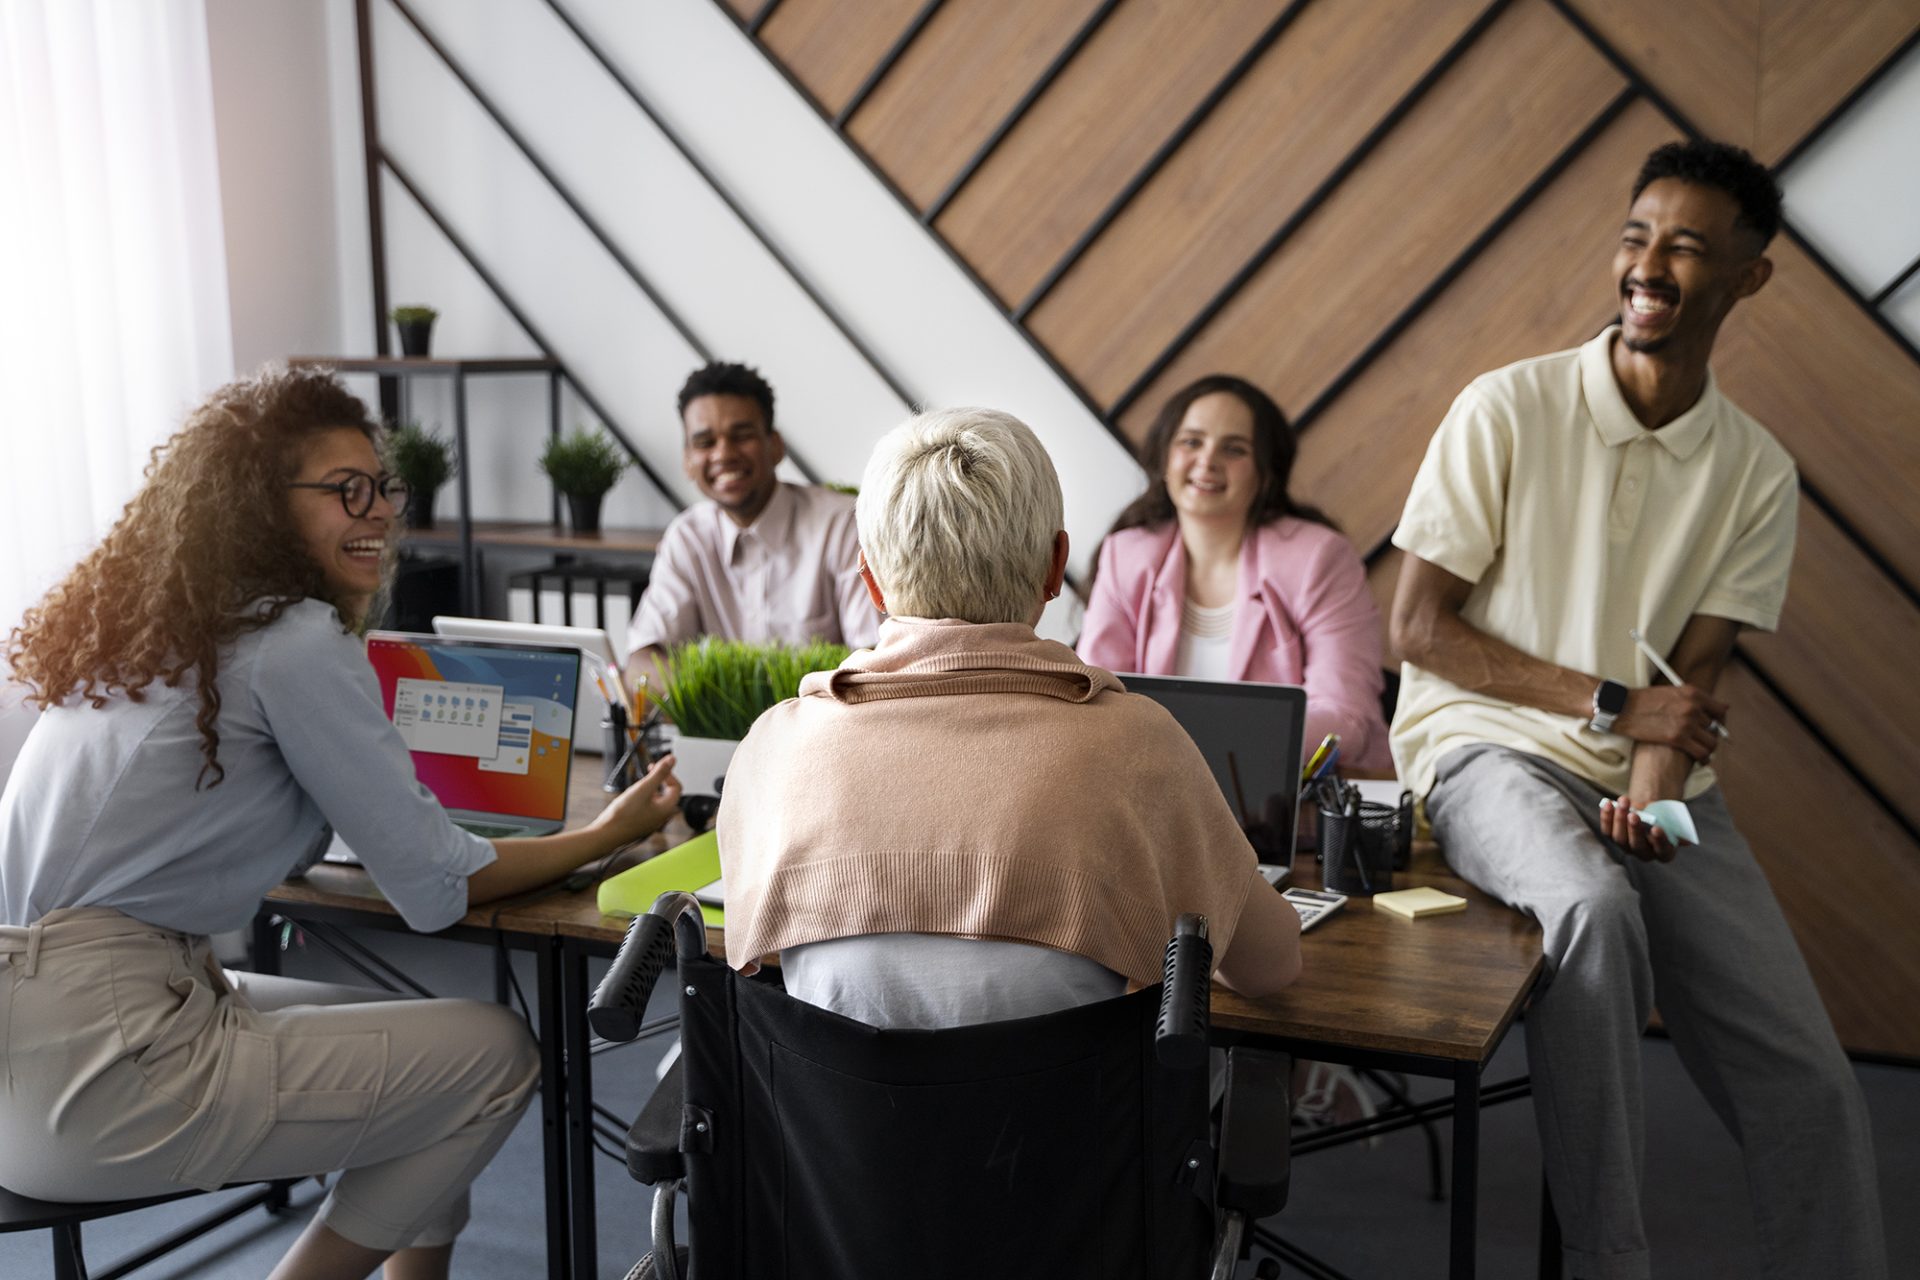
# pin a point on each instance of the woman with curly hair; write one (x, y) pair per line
(209, 717)
(1216, 572)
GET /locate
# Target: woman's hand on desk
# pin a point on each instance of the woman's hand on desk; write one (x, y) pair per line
(642, 808)
(526, 864)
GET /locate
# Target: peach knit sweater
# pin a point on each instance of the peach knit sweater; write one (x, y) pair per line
(975, 780)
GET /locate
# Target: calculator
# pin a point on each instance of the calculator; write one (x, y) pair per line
(1314, 905)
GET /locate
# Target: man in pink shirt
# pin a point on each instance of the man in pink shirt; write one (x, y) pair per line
(761, 559)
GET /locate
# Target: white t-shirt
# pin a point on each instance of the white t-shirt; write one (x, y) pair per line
(926, 982)
(1206, 637)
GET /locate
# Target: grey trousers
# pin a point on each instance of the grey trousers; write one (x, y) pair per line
(131, 1065)
(1704, 937)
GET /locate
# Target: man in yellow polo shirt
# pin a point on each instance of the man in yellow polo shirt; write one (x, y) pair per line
(1563, 501)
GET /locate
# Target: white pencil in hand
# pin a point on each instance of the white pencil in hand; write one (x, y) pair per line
(1673, 677)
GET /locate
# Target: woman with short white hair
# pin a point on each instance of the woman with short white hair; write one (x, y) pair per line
(966, 823)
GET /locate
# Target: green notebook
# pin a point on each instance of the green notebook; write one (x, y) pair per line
(686, 867)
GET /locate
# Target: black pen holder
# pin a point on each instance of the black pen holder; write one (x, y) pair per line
(1360, 848)
(1373, 816)
(623, 755)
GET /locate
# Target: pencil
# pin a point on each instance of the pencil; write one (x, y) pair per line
(1673, 677)
(1326, 744)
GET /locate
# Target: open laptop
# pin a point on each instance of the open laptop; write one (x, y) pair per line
(1252, 737)
(595, 647)
(489, 724)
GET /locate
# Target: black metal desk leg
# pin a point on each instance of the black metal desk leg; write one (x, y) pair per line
(1464, 1229)
(573, 995)
(553, 1110)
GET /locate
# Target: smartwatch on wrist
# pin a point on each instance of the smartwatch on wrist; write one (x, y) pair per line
(1609, 700)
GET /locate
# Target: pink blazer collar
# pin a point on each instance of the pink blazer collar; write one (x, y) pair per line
(1252, 600)
(1158, 646)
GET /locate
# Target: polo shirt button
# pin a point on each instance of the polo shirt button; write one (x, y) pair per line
(1632, 485)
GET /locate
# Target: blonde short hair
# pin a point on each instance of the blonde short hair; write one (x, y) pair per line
(958, 511)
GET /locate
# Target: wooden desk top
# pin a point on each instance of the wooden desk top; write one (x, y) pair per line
(343, 887)
(1443, 987)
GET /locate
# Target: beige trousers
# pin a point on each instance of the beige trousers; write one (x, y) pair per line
(131, 1065)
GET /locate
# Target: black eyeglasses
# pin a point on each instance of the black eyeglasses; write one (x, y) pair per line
(357, 490)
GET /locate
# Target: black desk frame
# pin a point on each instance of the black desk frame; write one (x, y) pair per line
(1470, 1092)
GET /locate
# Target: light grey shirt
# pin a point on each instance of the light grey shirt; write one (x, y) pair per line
(792, 575)
(101, 811)
(928, 982)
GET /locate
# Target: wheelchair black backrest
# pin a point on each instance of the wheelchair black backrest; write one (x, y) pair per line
(818, 1148)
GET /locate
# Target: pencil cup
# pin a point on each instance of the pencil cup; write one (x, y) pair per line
(623, 762)
(1357, 848)
(1399, 820)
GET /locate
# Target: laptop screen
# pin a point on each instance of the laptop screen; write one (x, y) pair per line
(490, 725)
(1250, 735)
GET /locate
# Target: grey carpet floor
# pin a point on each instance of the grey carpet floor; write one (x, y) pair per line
(1363, 1210)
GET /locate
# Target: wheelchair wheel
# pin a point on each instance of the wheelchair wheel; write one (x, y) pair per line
(645, 1270)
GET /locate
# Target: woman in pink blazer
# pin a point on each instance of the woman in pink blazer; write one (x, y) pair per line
(1214, 572)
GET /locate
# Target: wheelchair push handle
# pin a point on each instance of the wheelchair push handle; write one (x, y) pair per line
(620, 1001)
(1180, 1038)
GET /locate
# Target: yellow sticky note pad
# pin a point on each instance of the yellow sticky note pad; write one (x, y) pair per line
(1415, 903)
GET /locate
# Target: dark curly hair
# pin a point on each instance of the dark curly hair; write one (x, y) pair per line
(1274, 449)
(1724, 167)
(205, 552)
(722, 378)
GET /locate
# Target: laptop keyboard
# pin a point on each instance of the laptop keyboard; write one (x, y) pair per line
(488, 831)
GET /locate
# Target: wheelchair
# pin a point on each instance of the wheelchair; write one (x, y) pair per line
(813, 1147)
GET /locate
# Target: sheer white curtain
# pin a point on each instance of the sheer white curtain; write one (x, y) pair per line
(113, 288)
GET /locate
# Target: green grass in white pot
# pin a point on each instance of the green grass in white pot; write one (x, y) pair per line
(718, 688)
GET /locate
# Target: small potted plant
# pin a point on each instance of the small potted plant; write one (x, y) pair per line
(583, 466)
(713, 690)
(424, 459)
(416, 329)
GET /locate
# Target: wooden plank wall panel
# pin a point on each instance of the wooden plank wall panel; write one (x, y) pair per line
(1840, 395)
(1846, 875)
(1844, 655)
(1760, 73)
(1813, 53)
(831, 46)
(1707, 65)
(1079, 146)
(1331, 79)
(1535, 290)
(954, 85)
(1520, 95)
